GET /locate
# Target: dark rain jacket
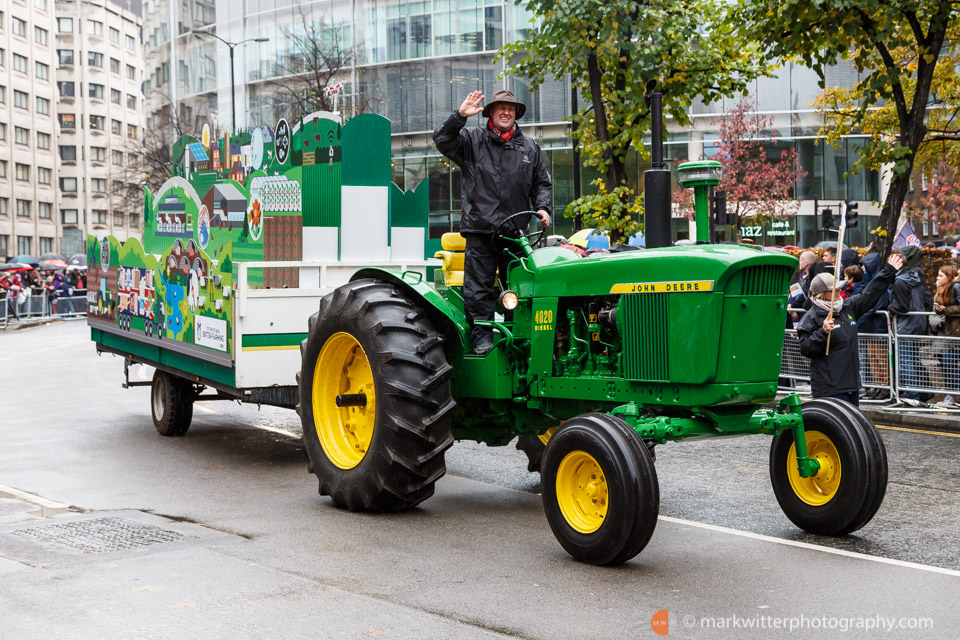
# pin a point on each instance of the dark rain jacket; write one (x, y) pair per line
(498, 178)
(839, 372)
(871, 321)
(910, 293)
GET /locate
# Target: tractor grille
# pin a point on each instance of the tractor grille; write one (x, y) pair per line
(764, 280)
(645, 336)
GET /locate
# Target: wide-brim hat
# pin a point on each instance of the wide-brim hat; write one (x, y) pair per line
(507, 97)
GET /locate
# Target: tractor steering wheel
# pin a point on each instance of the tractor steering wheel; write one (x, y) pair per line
(533, 237)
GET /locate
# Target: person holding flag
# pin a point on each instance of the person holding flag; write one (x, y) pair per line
(828, 332)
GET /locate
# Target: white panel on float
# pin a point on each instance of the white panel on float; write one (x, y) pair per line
(406, 243)
(320, 244)
(363, 223)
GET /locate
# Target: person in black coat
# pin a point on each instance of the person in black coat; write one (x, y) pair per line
(837, 375)
(910, 293)
(503, 173)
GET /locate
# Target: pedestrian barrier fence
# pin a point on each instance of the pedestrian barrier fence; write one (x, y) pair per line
(899, 369)
(34, 306)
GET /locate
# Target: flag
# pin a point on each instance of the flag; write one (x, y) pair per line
(906, 236)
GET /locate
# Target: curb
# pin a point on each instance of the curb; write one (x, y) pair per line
(915, 419)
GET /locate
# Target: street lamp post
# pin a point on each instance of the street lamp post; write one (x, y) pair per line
(233, 83)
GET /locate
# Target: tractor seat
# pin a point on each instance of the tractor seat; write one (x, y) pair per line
(453, 245)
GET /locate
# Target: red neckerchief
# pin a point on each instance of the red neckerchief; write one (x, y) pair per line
(504, 135)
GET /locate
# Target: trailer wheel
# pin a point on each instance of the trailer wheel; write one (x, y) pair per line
(171, 401)
(850, 486)
(375, 399)
(599, 488)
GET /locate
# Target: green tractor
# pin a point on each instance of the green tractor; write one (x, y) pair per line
(610, 356)
(601, 358)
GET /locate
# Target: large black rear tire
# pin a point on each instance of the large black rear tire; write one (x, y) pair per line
(600, 490)
(171, 403)
(852, 482)
(384, 449)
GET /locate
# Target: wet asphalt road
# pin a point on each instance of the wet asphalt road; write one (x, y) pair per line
(477, 560)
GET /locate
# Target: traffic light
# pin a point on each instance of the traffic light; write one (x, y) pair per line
(851, 213)
(826, 219)
(719, 208)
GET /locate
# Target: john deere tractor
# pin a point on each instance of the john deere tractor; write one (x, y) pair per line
(603, 358)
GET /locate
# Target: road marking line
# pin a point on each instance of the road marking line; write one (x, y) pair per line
(813, 547)
(205, 409)
(289, 434)
(931, 433)
(29, 497)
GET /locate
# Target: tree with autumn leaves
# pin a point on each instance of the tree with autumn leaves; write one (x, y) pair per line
(757, 180)
(614, 52)
(906, 99)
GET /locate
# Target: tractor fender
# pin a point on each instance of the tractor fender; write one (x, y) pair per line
(447, 317)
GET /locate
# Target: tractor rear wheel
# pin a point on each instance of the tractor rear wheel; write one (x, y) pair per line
(599, 488)
(375, 399)
(171, 403)
(850, 486)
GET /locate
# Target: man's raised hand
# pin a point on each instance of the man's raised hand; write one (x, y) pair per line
(471, 106)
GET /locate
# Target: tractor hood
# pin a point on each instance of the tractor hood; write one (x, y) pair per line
(694, 268)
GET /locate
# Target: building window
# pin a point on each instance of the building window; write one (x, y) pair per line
(114, 66)
(131, 101)
(116, 157)
(68, 216)
(4, 245)
(68, 185)
(68, 153)
(131, 132)
(98, 154)
(67, 121)
(95, 90)
(46, 245)
(23, 172)
(23, 208)
(98, 185)
(43, 106)
(40, 36)
(44, 176)
(21, 135)
(19, 63)
(43, 71)
(114, 35)
(3, 168)
(94, 28)
(134, 221)
(117, 219)
(94, 59)
(131, 42)
(43, 140)
(3, 130)
(3, 94)
(3, 212)
(20, 99)
(115, 96)
(2, 55)
(19, 27)
(45, 211)
(65, 56)
(99, 216)
(97, 123)
(42, 5)
(23, 244)
(131, 72)
(115, 127)
(65, 25)
(67, 89)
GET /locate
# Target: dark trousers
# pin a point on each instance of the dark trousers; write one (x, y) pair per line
(480, 264)
(852, 398)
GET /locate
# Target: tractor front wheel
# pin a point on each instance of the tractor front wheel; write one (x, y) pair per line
(850, 485)
(375, 399)
(599, 488)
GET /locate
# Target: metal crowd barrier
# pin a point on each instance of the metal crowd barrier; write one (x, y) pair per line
(899, 366)
(42, 305)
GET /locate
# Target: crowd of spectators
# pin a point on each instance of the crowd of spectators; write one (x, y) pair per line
(907, 294)
(60, 287)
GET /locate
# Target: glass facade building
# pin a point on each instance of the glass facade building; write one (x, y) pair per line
(415, 61)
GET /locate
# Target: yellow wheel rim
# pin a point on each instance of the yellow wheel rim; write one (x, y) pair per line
(820, 489)
(582, 492)
(344, 432)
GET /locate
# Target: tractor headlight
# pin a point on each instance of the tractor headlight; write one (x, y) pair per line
(509, 300)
